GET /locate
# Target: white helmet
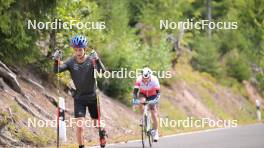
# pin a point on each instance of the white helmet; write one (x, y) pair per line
(146, 72)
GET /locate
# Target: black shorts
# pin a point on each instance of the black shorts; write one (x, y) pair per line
(149, 98)
(82, 102)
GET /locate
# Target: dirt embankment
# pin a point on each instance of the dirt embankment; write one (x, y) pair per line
(39, 102)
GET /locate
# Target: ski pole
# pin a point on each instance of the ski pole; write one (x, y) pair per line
(101, 132)
(97, 98)
(58, 109)
(57, 56)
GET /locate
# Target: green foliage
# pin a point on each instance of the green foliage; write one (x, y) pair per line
(124, 50)
(206, 57)
(17, 42)
(260, 79)
(119, 50)
(132, 38)
(237, 67)
(253, 26)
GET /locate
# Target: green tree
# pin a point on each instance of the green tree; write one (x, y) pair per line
(119, 50)
(206, 57)
(237, 66)
(17, 41)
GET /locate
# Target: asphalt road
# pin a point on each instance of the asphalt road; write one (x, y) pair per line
(251, 136)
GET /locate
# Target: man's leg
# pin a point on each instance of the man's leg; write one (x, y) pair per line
(154, 115)
(80, 131)
(141, 106)
(93, 111)
(95, 123)
(79, 113)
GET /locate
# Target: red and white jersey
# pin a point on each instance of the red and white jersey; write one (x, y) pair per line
(148, 89)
